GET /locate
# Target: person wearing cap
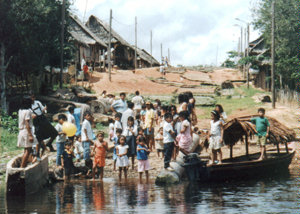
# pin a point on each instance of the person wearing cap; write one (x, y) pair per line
(149, 123)
(120, 105)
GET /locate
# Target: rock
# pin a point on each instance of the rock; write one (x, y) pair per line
(205, 101)
(167, 177)
(65, 94)
(227, 85)
(264, 98)
(101, 118)
(177, 168)
(101, 105)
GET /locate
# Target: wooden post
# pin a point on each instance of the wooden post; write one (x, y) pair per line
(62, 43)
(109, 47)
(231, 151)
(151, 46)
(286, 147)
(161, 52)
(135, 54)
(246, 145)
(273, 54)
(278, 149)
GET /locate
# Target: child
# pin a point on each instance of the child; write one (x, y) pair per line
(262, 127)
(169, 135)
(116, 142)
(215, 137)
(67, 161)
(141, 133)
(143, 113)
(71, 119)
(111, 129)
(130, 132)
(184, 139)
(122, 160)
(60, 139)
(86, 136)
(160, 142)
(99, 152)
(78, 149)
(142, 156)
(117, 124)
(139, 123)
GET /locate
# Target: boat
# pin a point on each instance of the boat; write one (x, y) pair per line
(245, 166)
(25, 181)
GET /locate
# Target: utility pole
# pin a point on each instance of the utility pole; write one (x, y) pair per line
(161, 53)
(247, 53)
(151, 46)
(135, 55)
(273, 54)
(109, 47)
(169, 56)
(217, 55)
(62, 43)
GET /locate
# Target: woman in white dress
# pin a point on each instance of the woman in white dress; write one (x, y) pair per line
(25, 136)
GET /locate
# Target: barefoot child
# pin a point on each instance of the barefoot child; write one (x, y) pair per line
(142, 156)
(159, 139)
(215, 137)
(169, 135)
(117, 124)
(78, 149)
(262, 127)
(61, 138)
(122, 160)
(67, 161)
(99, 152)
(116, 143)
(130, 132)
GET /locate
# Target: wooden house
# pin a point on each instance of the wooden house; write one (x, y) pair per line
(144, 59)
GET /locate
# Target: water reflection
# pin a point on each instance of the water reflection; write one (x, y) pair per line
(110, 196)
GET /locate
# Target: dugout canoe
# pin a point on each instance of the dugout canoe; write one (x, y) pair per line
(242, 167)
(24, 181)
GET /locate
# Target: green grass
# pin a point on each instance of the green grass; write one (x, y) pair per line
(8, 141)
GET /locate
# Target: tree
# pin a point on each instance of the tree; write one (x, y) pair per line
(286, 36)
(230, 61)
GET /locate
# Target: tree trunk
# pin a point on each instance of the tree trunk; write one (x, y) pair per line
(3, 74)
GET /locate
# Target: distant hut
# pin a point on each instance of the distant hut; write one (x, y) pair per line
(88, 44)
(145, 59)
(262, 74)
(123, 53)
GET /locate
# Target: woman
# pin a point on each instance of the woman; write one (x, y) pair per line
(25, 136)
(192, 111)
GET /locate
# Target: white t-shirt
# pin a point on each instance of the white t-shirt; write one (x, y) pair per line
(138, 102)
(215, 128)
(128, 113)
(86, 125)
(37, 107)
(71, 118)
(167, 136)
(61, 137)
(122, 149)
(78, 149)
(126, 131)
(111, 127)
(117, 125)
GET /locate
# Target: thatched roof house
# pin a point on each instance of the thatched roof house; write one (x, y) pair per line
(145, 59)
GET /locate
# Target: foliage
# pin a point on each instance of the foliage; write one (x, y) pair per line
(286, 36)
(8, 141)
(229, 62)
(10, 123)
(30, 31)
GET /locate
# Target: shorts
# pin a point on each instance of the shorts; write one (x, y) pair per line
(143, 165)
(149, 131)
(261, 140)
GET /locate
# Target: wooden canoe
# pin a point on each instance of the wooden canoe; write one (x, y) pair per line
(24, 181)
(243, 167)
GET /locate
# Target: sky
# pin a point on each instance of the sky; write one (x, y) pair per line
(197, 32)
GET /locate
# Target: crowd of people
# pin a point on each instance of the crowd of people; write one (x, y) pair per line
(138, 128)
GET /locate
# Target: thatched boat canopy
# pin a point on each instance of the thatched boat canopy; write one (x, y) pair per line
(238, 128)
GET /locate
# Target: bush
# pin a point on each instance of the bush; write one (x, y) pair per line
(10, 123)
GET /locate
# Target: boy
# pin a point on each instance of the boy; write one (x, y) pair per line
(117, 124)
(262, 126)
(86, 135)
(60, 139)
(67, 161)
(169, 136)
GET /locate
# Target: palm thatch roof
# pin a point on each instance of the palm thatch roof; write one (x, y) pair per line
(144, 55)
(239, 127)
(82, 34)
(101, 30)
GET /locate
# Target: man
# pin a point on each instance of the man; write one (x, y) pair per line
(120, 105)
(43, 128)
(128, 113)
(149, 125)
(138, 102)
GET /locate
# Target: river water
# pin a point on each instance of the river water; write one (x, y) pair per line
(277, 195)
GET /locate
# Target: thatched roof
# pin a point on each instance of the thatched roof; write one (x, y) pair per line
(82, 34)
(239, 127)
(144, 55)
(101, 30)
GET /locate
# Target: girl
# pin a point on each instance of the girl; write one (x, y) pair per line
(130, 132)
(99, 151)
(67, 161)
(221, 112)
(78, 149)
(25, 137)
(160, 142)
(143, 113)
(117, 124)
(142, 156)
(184, 139)
(122, 160)
(141, 133)
(116, 142)
(215, 137)
(111, 129)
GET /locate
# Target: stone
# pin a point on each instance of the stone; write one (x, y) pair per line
(227, 85)
(177, 168)
(166, 177)
(101, 105)
(205, 101)
(264, 98)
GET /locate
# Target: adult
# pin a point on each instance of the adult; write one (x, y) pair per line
(149, 125)
(120, 105)
(128, 113)
(25, 136)
(43, 128)
(184, 139)
(138, 102)
(220, 110)
(192, 111)
(161, 69)
(183, 100)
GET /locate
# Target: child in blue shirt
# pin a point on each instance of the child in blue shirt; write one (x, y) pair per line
(142, 156)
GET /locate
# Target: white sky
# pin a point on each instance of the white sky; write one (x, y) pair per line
(194, 30)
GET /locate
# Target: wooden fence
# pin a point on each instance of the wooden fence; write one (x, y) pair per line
(287, 96)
